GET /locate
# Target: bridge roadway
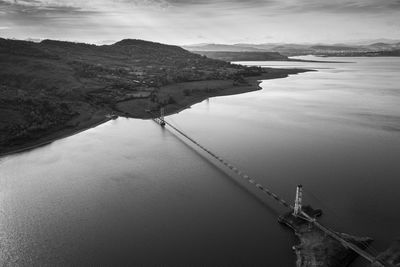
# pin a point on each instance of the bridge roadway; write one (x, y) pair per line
(265, 190)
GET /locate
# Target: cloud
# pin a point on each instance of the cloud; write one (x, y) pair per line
(87, 5)
(185, 21)
(290, 6)
(36, 7)
(265, 5)
(341, 6)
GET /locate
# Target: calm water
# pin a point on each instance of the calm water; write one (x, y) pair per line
(130, 192)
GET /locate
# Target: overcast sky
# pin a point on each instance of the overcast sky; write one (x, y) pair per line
(200, 21)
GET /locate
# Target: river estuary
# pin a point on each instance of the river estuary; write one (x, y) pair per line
(129, 191)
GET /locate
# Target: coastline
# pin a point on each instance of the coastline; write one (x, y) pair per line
(136, 110)
(56, 135)
(200, 91)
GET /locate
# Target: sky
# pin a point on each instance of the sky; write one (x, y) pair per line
(201, 21)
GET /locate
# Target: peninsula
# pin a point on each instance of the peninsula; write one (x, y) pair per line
(53, 89)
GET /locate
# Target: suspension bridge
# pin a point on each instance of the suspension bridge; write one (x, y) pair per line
(296, 209)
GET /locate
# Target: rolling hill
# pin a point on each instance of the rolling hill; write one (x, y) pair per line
(53, 88)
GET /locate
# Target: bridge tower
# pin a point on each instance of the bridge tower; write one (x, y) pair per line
(298, 200)
(162, 112)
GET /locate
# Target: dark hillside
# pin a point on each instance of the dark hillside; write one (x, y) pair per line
(53, 85)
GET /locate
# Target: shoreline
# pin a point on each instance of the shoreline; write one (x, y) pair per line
(53, 137)
(202, 90)
(221, 88)
(316, 61)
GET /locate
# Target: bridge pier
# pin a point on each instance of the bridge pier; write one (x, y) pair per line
(160, 120)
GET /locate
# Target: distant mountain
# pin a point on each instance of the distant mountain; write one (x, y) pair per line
(221, 47)
(384, 46)
(372, 41)
(106, 42)
(371, 49)
(36, 40)
(332, 47)
(276, 47)
(243, 56)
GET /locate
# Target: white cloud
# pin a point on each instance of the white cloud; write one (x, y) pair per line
(183, 21)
